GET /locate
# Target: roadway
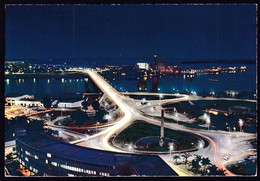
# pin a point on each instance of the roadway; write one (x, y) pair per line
(102, 139)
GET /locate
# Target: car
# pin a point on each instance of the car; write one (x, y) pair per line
(227, 156)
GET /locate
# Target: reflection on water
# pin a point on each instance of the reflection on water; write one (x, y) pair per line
(44, 86)
(239, 81)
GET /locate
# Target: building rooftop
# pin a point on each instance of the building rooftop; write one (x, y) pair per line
(42, 142)
(31, 100)
(143, 164)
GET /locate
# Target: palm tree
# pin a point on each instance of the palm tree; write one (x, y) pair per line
(195, 166)
(205, 162)
(186, 156)
(213, 170)
(175, 157)
(96, 106)
(85, 105)
(198, 157)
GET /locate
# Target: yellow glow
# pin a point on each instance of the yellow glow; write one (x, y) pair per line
(213, 112)
(112, 94)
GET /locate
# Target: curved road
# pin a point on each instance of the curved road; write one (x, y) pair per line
(102, 139)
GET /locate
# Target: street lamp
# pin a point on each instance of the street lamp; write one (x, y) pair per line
(96, 126)
(62, 109)
(177, 117)
(234, 128)
(240, 122)
(207, 119)
(228, 127)
(200, 145)
(107, 117)
(47, 116)
(130, 148)
(171, 148)
(143, 101)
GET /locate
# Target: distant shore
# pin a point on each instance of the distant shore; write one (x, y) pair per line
(46, 75)
(220, 62)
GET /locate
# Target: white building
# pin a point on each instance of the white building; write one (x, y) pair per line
(143, 66)
(10, 147)
(24, 100)
(70, 104)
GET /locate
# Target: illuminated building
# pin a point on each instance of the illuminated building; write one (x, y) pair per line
(158, 65)
(143, 65)
(25, 100)
(44, 156)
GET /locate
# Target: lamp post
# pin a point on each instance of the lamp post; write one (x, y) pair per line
(108, 117)
(208, 122)
(47, 116)
(176, 117)
(143, 101)
(228, 127)
(200, 145)
(207, 119)
(240, 122)
(96, 126)
(175, 114)
(130, 148)
(171, 148)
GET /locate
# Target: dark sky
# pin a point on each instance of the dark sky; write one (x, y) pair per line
(176, 32)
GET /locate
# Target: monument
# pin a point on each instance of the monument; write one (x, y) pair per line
(162, 129)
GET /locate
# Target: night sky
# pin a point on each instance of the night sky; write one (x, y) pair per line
(173, 32)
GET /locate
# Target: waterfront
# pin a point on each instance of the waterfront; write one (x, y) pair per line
(240, 81)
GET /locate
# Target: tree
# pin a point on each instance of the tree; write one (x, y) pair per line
(100, 116)
(46, 102)
(186, 156)
(205, 162)
(175, 157)
(195, 166)
(198, 157)
(85, 105)
(79, 116)
(96, 105)
(213, 170)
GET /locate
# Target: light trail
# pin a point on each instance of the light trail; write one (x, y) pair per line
(130, 113)
(106, 88)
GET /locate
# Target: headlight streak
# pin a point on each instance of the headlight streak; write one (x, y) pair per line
(129, 113)
(122, 106)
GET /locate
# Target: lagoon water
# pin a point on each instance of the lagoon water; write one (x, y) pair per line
(240, 81)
